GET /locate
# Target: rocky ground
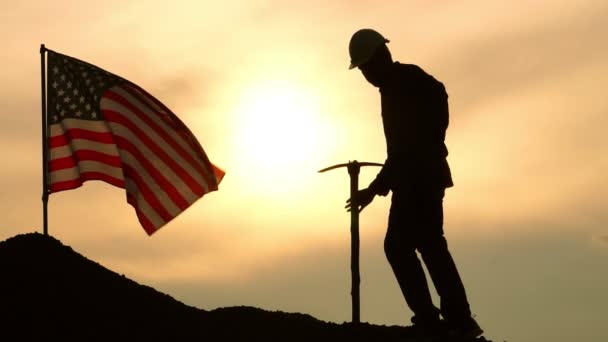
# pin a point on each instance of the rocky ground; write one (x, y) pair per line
(50, 292)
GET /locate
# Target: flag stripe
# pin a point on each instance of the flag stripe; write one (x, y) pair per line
(131, 104)
(167, 203)
(61, 163)
(146, 192)
(142, 207)
(150, 151)
(59, 140)
(150, 173)
(69, 123)
(149, 226)
(85, 166)
(183, 132)
(79, 151)
(61, 134)
(82, 155)
(116, 113)
(77, 133)
(157, 151)
(83, 177)
(139, 106)
(142, 152)
(82, 144)
(188, 147)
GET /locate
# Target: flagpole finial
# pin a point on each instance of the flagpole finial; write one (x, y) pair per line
(42, 48)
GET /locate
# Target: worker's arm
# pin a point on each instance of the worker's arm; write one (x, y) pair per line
(381, 184)
(362, 198)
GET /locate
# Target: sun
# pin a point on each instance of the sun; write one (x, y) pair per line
(279, 132)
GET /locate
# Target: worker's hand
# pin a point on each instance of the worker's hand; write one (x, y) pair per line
(362, 198)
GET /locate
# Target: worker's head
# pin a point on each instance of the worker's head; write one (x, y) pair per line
(369, 53)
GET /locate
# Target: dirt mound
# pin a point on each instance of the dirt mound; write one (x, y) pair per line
(49, 291)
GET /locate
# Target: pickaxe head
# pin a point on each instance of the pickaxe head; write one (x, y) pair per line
(352, 166)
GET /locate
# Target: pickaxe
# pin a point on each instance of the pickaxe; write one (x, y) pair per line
(353, 168)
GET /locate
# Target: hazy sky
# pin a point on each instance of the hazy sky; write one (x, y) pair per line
(264, 86)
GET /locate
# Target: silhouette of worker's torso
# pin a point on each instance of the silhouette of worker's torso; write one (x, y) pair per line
(415, 116)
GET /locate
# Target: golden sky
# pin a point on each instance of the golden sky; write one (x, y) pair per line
(264, 86)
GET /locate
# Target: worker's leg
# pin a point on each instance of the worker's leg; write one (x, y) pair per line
(434, 251)
(400, 251)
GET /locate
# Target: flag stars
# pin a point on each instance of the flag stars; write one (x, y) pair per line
(76, 89)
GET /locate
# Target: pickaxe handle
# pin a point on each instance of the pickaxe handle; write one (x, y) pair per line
(353, 170)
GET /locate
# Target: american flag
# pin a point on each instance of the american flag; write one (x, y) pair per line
(103, 127)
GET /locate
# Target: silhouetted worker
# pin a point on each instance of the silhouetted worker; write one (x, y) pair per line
(415, 118)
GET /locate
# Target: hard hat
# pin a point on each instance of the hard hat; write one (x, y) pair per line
(363, 45)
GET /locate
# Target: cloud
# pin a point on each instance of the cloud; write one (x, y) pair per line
(181, 89)
(603, 239)
(512, 59)
(528, 116)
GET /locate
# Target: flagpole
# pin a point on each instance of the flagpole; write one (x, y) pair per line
(45, 190)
